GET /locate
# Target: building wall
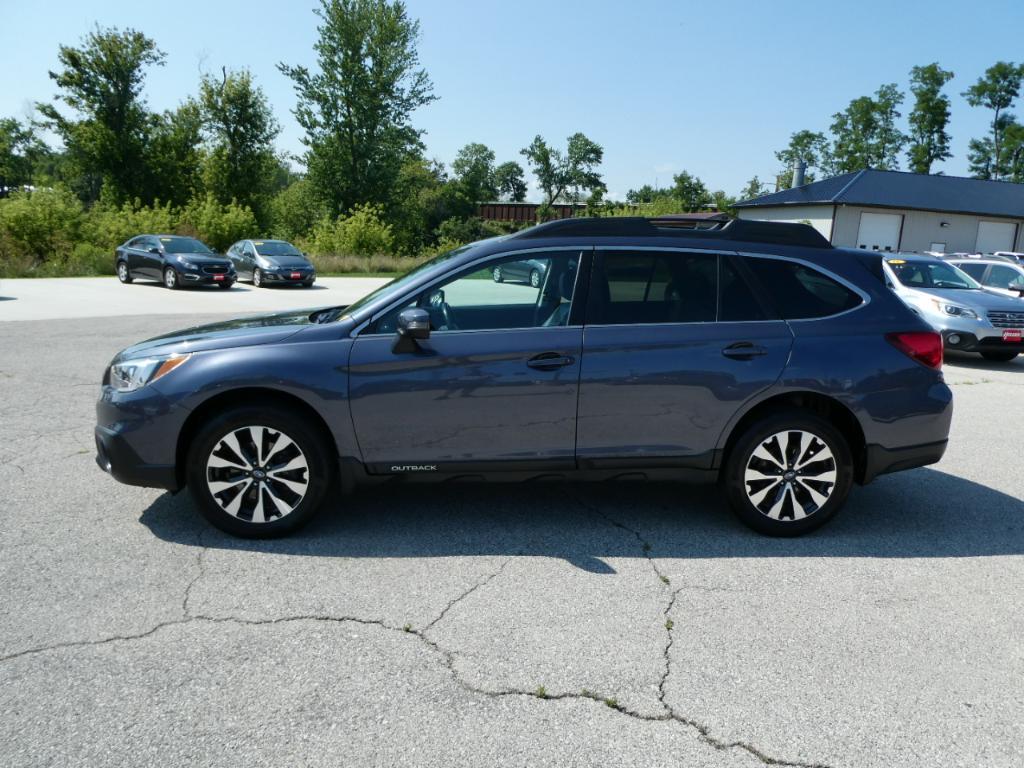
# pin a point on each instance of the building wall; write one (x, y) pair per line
(920, 228)
(818, 216)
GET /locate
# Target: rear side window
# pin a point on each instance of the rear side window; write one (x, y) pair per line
(737, 302)
(655, 287)
(1005, 277)
(977, 271)
(800, 292)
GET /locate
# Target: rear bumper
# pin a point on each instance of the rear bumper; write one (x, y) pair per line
(119, 460)
(880, 461)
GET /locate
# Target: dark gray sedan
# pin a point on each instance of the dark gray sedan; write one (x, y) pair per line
(271, 262)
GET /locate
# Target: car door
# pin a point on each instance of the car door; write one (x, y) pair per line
(150, 258)
(495, 385)
(134, 254)
(675, 342)
(234, 254)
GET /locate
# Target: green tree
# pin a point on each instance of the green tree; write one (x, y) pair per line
(646, 194)
(294, 210)
(240, 128)
(20, 154)
(174, 154)
(474, 170)
(1013, 151)
(996, 90)
(754, 188)
(510, 181)
(565, 175)
(101, 82)
(809, 147)
(929, 142)
(690, 192)
(865, 133)
(357, 109)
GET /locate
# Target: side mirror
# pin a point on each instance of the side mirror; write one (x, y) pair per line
(414, 323)
(155, 250)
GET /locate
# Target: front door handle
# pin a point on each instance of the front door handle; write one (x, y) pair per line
(744, 350)
(550, 361)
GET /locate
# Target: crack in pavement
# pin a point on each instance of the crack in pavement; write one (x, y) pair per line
(482, 583)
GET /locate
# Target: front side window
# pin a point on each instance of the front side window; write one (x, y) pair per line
(632, 287)
(1005, 277)
(977, 271)
(527, 291)
(800, 292)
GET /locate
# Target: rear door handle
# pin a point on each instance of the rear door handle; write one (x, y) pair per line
(744, 350)
(550, 361)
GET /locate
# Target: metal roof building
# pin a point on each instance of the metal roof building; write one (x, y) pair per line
(897, 211)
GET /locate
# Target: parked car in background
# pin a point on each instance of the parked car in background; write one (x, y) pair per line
(271, 262)
(995, 273)
(1014, 255)
(756, 355)
(174, 260)
(529, 271)
(969, 318)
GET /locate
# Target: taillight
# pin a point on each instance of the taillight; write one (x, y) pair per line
(923, 346)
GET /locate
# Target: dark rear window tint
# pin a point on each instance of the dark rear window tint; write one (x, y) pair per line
(651, 287)
(974, 270)
(799, 292)
(737, 302)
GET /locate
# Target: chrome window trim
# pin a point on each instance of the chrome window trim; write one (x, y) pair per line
(355, 332)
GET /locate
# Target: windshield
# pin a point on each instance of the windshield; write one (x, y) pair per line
(927, 274)
(183, 245)
(275, 248)
(396, 285)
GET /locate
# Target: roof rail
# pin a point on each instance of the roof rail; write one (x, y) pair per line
(742, 230)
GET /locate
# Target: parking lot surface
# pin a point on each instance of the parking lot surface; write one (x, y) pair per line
(545, 625)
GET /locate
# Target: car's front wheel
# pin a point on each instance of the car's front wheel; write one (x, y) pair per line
(257, 278)
(535, 278)
(258, 472)
(788, 473)
(999, 357)
(123, 273)
(496, 275)
(171, 278)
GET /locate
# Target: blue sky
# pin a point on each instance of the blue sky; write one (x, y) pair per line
(663, 86)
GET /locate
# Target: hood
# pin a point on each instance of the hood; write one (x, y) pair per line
(975, 298)
(202, 258)
(240, 332)
(286, 261)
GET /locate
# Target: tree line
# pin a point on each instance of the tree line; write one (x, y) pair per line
(210, 167)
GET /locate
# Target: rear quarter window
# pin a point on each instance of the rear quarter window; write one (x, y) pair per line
(800, 292)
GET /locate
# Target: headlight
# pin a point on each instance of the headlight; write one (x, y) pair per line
(955, 310)
(129, 375)
(186, 263)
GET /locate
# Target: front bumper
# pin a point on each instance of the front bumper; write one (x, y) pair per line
(116, 457)
(969, 342)
(880, 461)
(290, 276)
(200, 276)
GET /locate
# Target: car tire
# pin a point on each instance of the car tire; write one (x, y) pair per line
(807, 494)
(225, 285)
(999, 357)
(257, 278)
(123, 273)
(171, 278)
(496, 275)
(535, 278)
(267, 508)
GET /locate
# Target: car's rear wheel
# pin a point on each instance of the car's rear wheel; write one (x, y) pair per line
(257, 278)
(496, 275)
(123, 273)
(171, 278)
(999, 357)
(258, 472)
(535, 278)
(788, 473)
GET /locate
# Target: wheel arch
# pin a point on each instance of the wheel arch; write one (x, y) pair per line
(835, 411)
(259, 397)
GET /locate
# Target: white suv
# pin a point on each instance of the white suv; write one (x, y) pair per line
(995, 273)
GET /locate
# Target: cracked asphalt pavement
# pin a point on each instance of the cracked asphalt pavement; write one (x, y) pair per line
(544, 625)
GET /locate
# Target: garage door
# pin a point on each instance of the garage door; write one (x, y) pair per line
(995, 236)
(880, 231)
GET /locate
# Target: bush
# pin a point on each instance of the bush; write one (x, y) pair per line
(108, 226)
(217, 225)
(361, 233)
(294, 211)
(38, 227)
